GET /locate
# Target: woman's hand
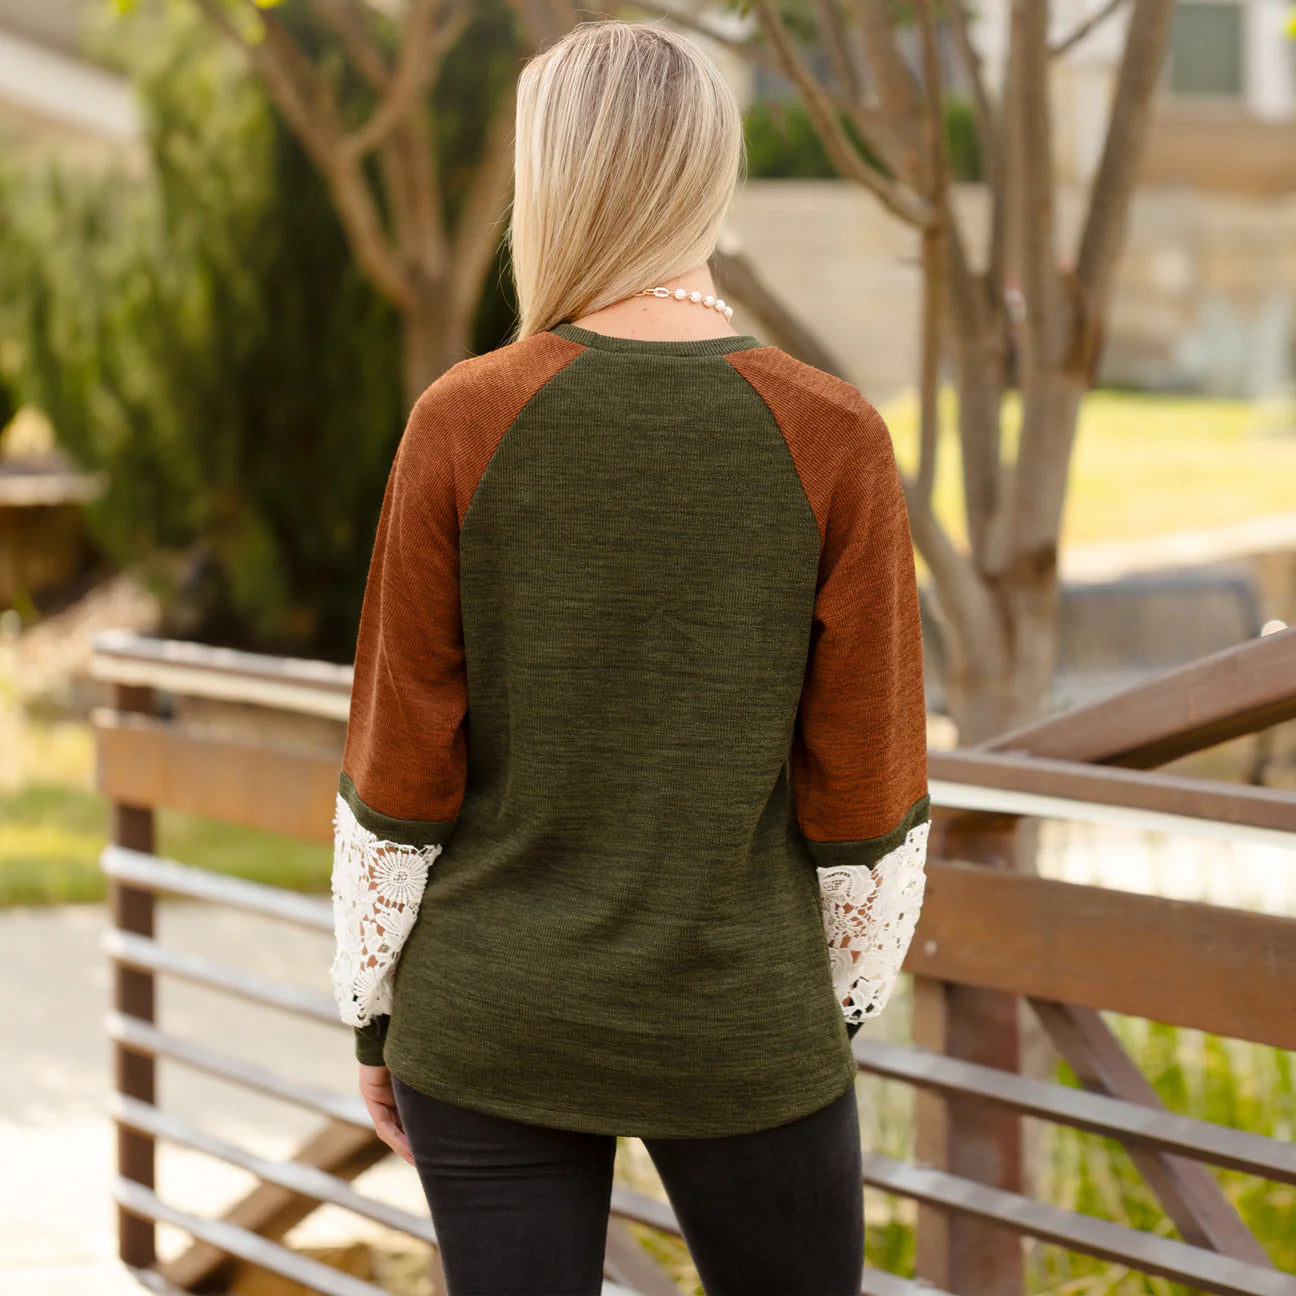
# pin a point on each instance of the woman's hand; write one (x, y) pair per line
(380, 1099)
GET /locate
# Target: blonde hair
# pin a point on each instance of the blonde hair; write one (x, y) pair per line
(628, 148)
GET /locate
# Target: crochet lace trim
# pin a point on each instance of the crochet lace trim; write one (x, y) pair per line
(869, 918)
(377, 888)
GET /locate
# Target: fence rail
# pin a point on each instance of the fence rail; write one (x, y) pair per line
(990, 937)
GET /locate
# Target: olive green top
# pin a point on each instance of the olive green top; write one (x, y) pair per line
(636, 665)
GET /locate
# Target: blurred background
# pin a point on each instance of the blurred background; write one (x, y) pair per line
(236, 242)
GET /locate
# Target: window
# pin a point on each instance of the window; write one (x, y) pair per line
(1206, 49)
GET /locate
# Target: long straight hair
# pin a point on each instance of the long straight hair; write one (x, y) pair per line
(628, 149)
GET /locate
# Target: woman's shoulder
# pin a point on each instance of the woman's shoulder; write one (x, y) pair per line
(465, 411)
(493, 376)
(802, 378)
(815, 408)
(823, 416)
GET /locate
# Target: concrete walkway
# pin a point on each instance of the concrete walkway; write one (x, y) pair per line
(57, 1147)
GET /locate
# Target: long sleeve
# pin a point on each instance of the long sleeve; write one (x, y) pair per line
(404, 765)
(859, 752)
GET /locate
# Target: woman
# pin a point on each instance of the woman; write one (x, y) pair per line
(632, 818)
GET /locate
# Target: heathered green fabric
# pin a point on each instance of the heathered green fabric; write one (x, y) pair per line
(623, 932)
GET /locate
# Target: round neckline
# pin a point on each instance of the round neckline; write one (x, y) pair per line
(655, 346)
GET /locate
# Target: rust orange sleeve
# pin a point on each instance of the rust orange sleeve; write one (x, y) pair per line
(406, 749)
(859, 752)
(406, 754)
(859, 756)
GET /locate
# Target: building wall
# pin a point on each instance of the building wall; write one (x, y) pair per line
(52, 99)
(1207, 294)
(1221, 149)
(1205, 298)
(1242, 120)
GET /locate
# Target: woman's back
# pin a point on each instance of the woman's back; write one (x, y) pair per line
(639, 696)
(632, 817)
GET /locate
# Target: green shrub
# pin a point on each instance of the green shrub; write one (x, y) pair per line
(51, 837)
(203, 334)
(961, 140)
(783, 144)
(1230, 1082)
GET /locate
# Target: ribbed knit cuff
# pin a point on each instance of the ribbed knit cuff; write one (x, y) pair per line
(856, 854)
(369, 1041)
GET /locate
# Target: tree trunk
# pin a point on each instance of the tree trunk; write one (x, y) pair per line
(431, 342)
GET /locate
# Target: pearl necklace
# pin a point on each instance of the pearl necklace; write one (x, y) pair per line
(683, 294)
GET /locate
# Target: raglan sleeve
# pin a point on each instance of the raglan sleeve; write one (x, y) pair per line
(859, 754)
(404, 764)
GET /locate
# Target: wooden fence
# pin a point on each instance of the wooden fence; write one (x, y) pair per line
(256, 740)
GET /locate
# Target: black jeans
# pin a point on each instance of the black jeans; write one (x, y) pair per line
(522, 1209)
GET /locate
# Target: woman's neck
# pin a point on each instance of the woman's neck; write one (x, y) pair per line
(663, 318)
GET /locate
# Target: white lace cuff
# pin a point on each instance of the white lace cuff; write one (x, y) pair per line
(377, 889)
(869, 916)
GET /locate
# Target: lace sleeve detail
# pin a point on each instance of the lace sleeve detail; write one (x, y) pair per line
(869, 918)
(377, 888)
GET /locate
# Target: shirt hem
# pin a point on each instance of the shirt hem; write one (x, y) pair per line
(590, 1123)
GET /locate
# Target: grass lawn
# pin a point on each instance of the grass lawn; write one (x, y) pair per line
(1143, 465)
(51, 835)
(1230, 1082)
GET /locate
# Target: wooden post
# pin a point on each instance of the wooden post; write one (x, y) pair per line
(963, 1135)
(132, 910)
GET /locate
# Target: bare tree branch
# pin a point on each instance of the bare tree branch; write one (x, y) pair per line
(895, 83)
(424, 43)
(754, 51)
(976, 336)
(897, 198)
(929, 366)
(481, 221)
(1084, 27)
(870, 123)
(366, 234)
(1044, 441)
(1051, 398)
(976, 310)
(935, 160)
(965, 600)
(310, 108)
(992, 143)
(738, 279)
(1127, 134)
(833, 36)
(933, 250)
(1033, 186)
(874, 128)
(897, 89)
(956, 13)
(347, 19)
(414, 198)
(293, 85)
